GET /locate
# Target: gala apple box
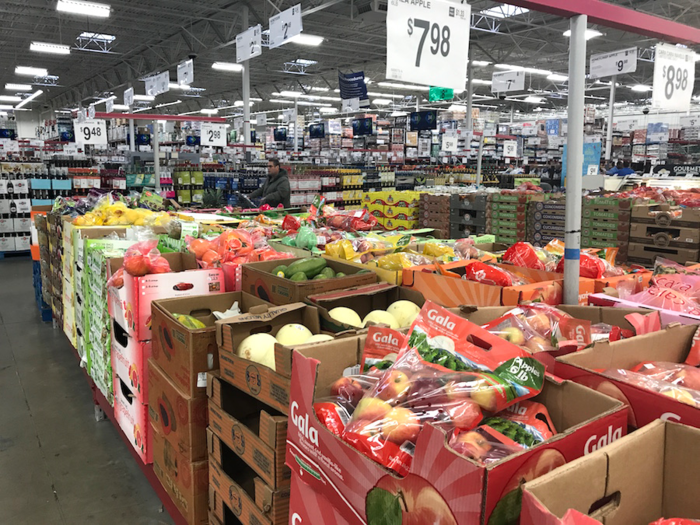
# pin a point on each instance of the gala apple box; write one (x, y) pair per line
(308, 507)
(667, 316)
(442, 486)
(132, 417)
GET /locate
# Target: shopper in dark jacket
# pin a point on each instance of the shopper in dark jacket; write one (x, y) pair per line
(275, 189)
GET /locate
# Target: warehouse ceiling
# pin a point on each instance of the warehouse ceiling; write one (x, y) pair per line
(152, 36)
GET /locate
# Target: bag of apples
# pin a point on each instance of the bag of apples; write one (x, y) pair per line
(448, 372)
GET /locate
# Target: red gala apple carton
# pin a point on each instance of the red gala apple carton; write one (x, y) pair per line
(451, 290)
(645, 476)
(634, 282)
(132, 417)
(673, 344)
(363, 300)
(441, 484)
(308, 507)
(130, 305)
(130, 361)
(667, 316)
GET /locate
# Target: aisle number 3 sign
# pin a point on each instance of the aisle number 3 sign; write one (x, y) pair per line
(428, 42)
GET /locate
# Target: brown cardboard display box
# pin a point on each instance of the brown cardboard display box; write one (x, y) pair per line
(258, 280)
(650, 474)
(182, 418)
(186, 483)
(186, 355)
(362, 299)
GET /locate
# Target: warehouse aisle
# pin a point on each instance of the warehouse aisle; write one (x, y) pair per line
(57, 465)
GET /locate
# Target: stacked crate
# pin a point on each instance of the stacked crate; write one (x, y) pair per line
(401, 210)
(545, 221)
(662, 230)
(507, 216)
(605, 223)
(468, 215)
(434, 212)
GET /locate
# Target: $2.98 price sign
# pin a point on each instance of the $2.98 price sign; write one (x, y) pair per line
(428, 42)
(674, 77)
(213, 134)
(90, 132)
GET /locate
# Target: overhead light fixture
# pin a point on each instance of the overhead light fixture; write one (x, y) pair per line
(144, 98)
(103, 100)
(175, 85)
(5, 106)
(481, 63)
(381, 101)
(328, 110)
(255, 99)
(533, 70)
(227, 66)
(44, 47)
(324, 88)
(533, 100)
(293, 94)
(120, 107)
(504, 11)
(31, 71)
(457, 108)
(300, 102)
(398, 114)
(83, 8)
(9, 98)
(209, 111)
(168, 104)
(99, 37)
(29, 99)
(556, 77)
(18, 87)
(304, 39)
(382, 95)
(641, 88)
(590, 33)
(481, 81)
(139, 110)
(403, 86)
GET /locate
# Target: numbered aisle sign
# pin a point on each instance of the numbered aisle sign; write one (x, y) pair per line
(615, 63)
(158, 84)
(185, 73)
(428, 42)
(90, 132)
(674, 77)
(508, 81)
(213, 134)
(690, 121)
(285, 25)
(249, 44)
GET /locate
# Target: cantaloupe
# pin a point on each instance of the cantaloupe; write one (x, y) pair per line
(346, 316)
(293, 334)
(405, 312)
(318, 338)
(259, 348)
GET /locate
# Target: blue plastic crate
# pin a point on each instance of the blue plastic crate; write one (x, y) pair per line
(40, 184)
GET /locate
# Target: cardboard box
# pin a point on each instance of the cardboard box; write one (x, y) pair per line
(671, 344)
(308, 506)
(130, 361)
(667, 316)
(663, 215)
(603, 224)
(256, 434)
(130, 305)
(362, 300)
(187, 355)
(132, 417)
(186, 482)
(647, 254)
(469, 491)
(665, 235)
(635, 481)
(258, 281)
(182, 419)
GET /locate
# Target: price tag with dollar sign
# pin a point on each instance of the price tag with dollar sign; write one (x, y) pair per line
(90, 132)
(213, 134)
(428, 42)
(674, 77)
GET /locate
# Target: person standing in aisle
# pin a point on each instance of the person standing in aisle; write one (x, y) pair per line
(625, 169)
(275, 190)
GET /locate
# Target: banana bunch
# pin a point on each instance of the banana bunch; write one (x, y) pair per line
(118, 214)
(189, 322)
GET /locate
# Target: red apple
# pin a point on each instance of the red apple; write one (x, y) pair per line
(465, 415)
(348, 389)
(371, 409)
(401, 425)
(538, 344)
(486, 396)
(472, 444)
(393, 386)
(690, 377)
(540, 323)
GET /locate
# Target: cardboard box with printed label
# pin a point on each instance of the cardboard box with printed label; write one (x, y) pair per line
(130, 361)
(648, 475)
(308, 506)
(185, 355)
(132, 417)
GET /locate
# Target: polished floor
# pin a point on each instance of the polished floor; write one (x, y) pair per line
(57, 464)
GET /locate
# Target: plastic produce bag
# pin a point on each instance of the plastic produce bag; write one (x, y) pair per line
(525, 255)
(306, 238)
(593, 267)
(117, 279)
(666, 299)
(143, 258)
(447, 372)
(667, 266)
(291, 223)
(480, 272)
(399, 261)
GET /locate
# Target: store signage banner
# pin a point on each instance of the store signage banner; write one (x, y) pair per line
(185, 73)
(157, 84)
(674, 77)
(591, 157)
(626, 125)
(249, 44)
(352, 85)
(552, 127)
(285, 25)
(690, 121)
(657, 132)
(449, 140)
(93, 132)
(428, 41)
(615, 63)
(507, 81)
(129, 97)
(680, 170)
(213, 134)
(437, 94)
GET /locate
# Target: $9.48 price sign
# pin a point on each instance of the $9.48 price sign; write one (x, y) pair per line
(674, 77)
(90, 132)
(213, 134)
(428, 42)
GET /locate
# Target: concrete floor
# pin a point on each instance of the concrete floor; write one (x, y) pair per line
(57, 464)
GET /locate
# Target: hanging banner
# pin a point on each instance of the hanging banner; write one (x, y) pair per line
(674, 77)
(92, 132)
(352, 85)
(428, 41)
(129, 97)
(437, 94)
(507, 81)
(657, 132)
(615, 63)
(249, 44)
(185, 73)
(285, 25)
(213, 134)
(82, 115)
(157, 84)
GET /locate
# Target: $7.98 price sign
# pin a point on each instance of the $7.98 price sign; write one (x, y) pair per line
(674, 77)
(213, 134)
(428, 42)
(90, 132)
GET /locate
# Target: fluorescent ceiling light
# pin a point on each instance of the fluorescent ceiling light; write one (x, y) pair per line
(533, 100)
(481, 63)
(480, 81)
(304, 62)
(210, 111)
(457, 107)
(142, 109)
(322, 88)
(556, 77)
(382, 101)
(10, 98)
(31, 71)
(307, 40)
(399, 114)
(328, 110)
(175, 85)
(403, 86)
(83, 8)
(18, 87)
(590, 33)
(5, 106)
(227, 66)
(382, 95)
(280, 117)
(145, 98)
(533, 70)
(641, 88)
(101, 37)
(121, 107)
(292, 94)
(29, 99)
(301, 102)
(255, 99)
(44, 47)
(504, 11)
(168, 104)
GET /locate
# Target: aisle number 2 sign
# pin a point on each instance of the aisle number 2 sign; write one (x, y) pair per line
(249, 44)
(428, 40)
(674, 77)
(213, 134)
(285, 25)
(92, 132)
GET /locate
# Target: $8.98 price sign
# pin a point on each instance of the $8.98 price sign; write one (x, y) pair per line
(428, 42)
(674, 77)
(213, 134)
(90, 132)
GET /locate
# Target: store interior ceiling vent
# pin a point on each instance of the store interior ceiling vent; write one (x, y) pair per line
(373, 12)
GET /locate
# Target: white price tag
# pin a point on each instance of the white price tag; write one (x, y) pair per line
(213, 134)
(157, 84)
(510, 148)
(674, 77)
(90, 132)
(185, 73)
(129, 97)
(615, 63)
(428, 42)
(261, 119)
(449, 141)
(109, 105)
(70, 149)
(507, 81)
(249, 44)
(592, 169)
(350, 104)
(285, 25)
(627, 125)
(690, 121)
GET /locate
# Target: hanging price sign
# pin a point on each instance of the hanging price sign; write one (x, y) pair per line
(510, 148)
(261, 119)
(674, 77)
(213, 134)
(129, 97)
(185, 73)
(158, 84)
(507, 81)
(449, 141)
(109, 105)
(690, 121)
(90, 132)
(616, 63)
(285, 25)
(91, 111)
(428, 40)
(249, 44)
